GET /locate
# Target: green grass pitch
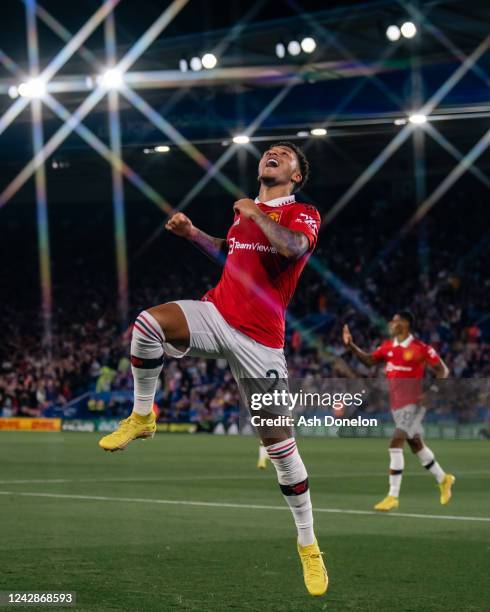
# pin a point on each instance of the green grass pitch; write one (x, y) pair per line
(129, 552)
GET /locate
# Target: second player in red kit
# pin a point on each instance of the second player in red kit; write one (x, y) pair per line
(406, 359)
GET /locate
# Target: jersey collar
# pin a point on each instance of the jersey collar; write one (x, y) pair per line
(290, 199)
(405, 343)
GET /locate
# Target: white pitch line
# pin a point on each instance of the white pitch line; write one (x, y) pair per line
(202, 504)
(253, 476)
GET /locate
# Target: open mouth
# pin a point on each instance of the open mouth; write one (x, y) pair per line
(272, 163)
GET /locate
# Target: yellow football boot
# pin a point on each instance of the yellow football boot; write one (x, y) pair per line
(263, 456)
(445, 488)
(314, 571)
(387, 504)
(132, 428)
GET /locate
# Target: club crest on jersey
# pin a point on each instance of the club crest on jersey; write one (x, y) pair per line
(408, 355)
(275, 216)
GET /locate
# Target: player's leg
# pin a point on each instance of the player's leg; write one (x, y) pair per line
(263, 456)
(397, 465)
(428, 461)
(153, 329)
(175, 329)
(252, 360)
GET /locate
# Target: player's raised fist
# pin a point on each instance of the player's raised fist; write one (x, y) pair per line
(346, 335)
(246, 208)
(180, 224)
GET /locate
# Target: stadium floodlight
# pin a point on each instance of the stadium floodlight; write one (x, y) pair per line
(302, 134)
(294, 48)
(209, 61)
(13, 92)
(162, 149)
(408, 29)
(196, 64)
(33, 88)
(308, 44)
(112, 78)
(241, 139)
(318, 132)
(393, 33)
(183, 65)
(400, 122)
(417, 118)
(280, 50)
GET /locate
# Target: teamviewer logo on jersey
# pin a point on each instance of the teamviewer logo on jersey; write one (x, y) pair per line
(236, 245)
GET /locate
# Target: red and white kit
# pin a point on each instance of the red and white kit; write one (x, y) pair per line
(243, 318)
(405, 368)
(257, 283)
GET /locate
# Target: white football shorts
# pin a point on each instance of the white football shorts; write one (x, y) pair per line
(409, 419)
(212, 337)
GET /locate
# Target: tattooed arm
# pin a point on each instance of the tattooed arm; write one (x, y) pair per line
(290, 243)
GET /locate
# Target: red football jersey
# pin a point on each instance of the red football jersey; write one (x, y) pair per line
(405, 368)
(258, 283)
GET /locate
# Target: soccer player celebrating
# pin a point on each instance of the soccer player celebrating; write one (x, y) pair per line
(406, 358)
(241, 319)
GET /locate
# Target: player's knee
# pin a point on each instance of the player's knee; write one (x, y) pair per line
(416, 445)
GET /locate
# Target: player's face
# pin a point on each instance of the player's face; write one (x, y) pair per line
(398, 325)
(278, 166)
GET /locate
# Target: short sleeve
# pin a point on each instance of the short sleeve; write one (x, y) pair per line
(431, 356)
(379, 354)
(306, 219)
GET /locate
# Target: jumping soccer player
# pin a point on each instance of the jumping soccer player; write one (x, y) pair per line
(241, 319)
(406, 358)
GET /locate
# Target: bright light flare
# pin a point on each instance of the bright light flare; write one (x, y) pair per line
(408, 29)
(393, 33)
(241, 139)
(308, 44)
(196, 64)
(111, 79)
(294, 48)
(280, 50)
(33, 88)
(162, 149)
(318, 132)
(209, 61)
(417, 118)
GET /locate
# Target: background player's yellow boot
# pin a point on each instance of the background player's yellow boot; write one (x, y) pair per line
(445, 488)
(263, 457)
(387, 504)
(134, 427)
(314, 570)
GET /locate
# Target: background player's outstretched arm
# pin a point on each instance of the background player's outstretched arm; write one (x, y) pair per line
(440, 369)
(365, 358)
(289, 243)
(182, 226)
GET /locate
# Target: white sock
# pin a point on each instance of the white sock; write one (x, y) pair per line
(397, 463)
(293, 481)
(426, 457)
(146, 361)
(262, 452)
